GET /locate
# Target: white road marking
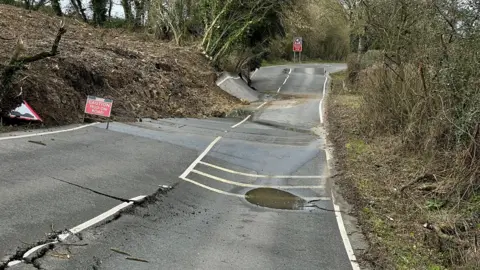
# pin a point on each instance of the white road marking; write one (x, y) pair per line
(263, 176)
(99, 218)
(82, 226)
(286, 79)
(212, 189)
(320, 109)
(45, 133)
(32, 250)
(253, 74)
(12, 263)
(261, 105)
(290, 72)
(199, 158)
(343, 233)
(241, 122)
(105, 215)
(223, 180)
(228, 78)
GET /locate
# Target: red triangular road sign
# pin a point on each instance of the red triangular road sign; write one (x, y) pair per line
(25, 112)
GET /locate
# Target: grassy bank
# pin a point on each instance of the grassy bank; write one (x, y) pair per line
(396, 193)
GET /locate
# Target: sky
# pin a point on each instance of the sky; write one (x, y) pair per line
(117, 10)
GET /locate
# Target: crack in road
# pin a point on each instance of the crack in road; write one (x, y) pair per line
(57, 237)
(91, 190)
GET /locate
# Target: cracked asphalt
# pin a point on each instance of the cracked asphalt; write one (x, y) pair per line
(204, 220)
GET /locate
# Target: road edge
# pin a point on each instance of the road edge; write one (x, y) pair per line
(354, 241)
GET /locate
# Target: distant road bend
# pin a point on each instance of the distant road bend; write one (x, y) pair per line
(246, 193)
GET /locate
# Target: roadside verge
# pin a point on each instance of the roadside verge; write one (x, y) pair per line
(370, 172)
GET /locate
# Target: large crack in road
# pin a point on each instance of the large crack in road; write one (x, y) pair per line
(32, 253)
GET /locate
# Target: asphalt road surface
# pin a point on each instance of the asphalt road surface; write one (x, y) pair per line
(247, 193)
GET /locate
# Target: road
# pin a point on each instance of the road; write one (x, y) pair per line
(243, 193)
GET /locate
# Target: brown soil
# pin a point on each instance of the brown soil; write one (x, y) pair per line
(395, 192)
(144, 78)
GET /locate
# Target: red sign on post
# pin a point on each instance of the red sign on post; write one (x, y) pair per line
(98, 106)
(298, 44)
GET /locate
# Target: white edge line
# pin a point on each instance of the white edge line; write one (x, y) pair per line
(261, 175)
(261, 105)
(290, 71)
(86, 224)
(252, 185)
(46, 133)
(32, 250)
(199, 158)
(12, 263)
(253, 74)
(228, 78)
(344, 235)
(99, 218)
(138, 198)
(212, 189)
(241, 122)
(320, 110)
(288, 76)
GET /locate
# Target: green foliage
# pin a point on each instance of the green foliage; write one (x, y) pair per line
(434, 204)
(8, 2)
(322, 25)
(117, 23)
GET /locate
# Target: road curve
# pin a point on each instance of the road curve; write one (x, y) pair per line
(245, 193)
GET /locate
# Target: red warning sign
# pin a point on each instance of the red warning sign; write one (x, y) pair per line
(98, 106)
(298, 44)
(25, 112)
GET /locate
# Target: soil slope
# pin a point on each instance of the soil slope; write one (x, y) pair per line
(144, 78)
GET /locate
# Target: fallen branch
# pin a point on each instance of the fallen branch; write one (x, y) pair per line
(4, 38)
(136, 259)
(428, 177)
(442, 235)
(120, 251)
(17, 63)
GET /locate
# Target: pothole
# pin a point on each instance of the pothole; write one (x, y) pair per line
(275, 198)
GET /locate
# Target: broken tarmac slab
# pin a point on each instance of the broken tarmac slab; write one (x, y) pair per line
(237, 87)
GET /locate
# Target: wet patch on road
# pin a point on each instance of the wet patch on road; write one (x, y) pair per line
(275, 198)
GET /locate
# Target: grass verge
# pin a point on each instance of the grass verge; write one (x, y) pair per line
(390, 189)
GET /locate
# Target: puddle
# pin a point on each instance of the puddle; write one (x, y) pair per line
(275, 198)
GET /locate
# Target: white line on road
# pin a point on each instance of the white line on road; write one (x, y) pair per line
(228, 78)
(252, 185)
(101, 217)
(344, 234)
(45, 133)
(32, 250)
(241, 122)
(288, 76)
(263, 176)
(199, 158)
(212, 189)
(253, 74)
(82, 226)
(320, 109)
(261, 105)
(12, 263)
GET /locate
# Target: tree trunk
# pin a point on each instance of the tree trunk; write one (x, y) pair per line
(139, 11)
(77, 4)
(127, 8)
(110, 6)
(99, 8)
(57, 8)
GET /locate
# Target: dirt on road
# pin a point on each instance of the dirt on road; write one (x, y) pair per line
(144, 78)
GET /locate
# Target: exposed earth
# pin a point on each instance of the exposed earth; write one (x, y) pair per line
(144, 78)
